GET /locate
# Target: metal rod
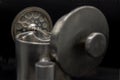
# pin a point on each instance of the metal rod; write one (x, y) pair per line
(45, 70)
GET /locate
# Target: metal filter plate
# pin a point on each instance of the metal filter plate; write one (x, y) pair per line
(31, 19)
(68, 34)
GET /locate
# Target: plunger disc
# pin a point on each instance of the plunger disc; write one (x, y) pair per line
(71, 31)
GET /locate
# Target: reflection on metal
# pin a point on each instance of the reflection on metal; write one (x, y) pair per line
(75, 46)
(80, 40)
(32, 19)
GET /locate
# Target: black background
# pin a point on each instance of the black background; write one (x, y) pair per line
(56, 9)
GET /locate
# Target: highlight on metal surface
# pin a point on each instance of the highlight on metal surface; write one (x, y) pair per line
(32, 19)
